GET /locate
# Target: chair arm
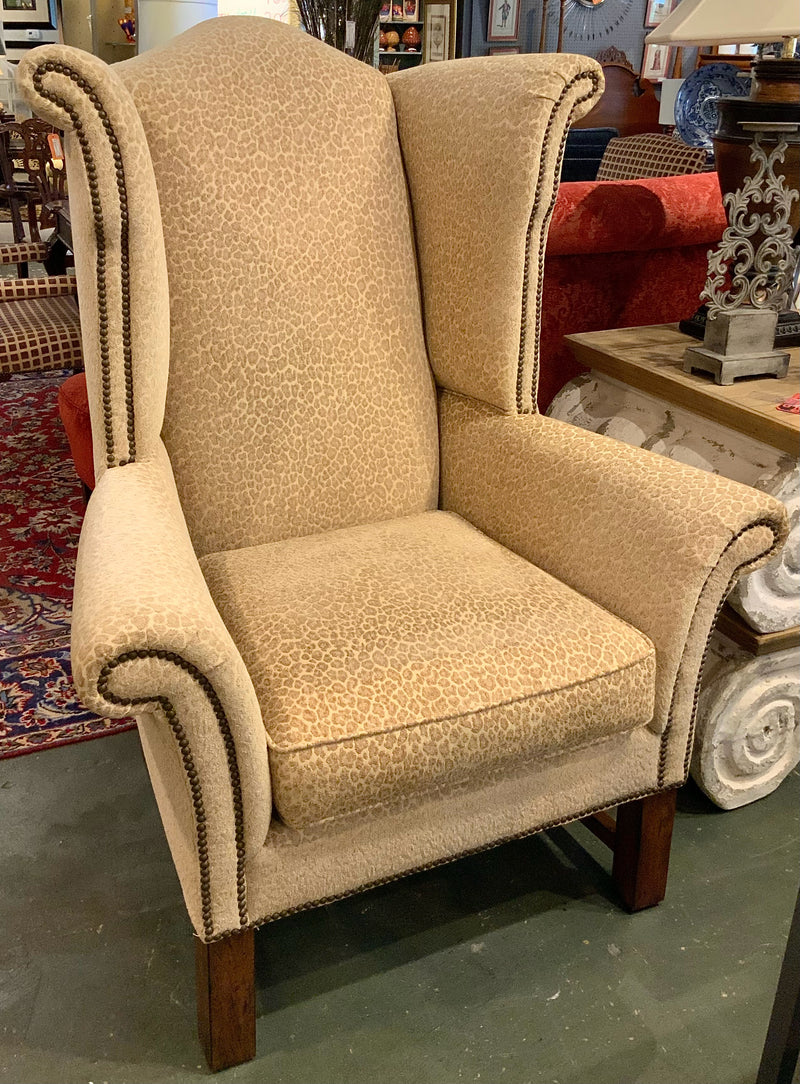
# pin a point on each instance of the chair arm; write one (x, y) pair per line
(147, 640)
(23, 289)
(24, 251)
(656, 542)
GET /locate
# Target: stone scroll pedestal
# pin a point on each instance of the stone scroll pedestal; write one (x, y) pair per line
(748, 717)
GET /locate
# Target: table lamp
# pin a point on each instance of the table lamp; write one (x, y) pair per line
(757, 151)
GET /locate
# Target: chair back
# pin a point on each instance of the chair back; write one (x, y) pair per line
(300, 396)
(25, 149)
(247, 274)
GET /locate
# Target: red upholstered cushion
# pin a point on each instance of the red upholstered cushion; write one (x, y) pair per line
(636, 216)
(73, 406)
(623, 254)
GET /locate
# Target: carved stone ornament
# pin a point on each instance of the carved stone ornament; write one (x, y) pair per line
(747, 736)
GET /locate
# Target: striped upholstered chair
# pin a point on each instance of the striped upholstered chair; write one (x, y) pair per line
(39, 322)
(371, 611)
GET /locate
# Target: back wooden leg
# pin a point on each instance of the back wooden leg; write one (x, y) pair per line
(641, 849)
(226, 999)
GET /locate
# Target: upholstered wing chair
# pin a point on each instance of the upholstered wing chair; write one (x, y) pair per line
(371, 611)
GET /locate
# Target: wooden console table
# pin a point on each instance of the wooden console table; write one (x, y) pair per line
(747, 737)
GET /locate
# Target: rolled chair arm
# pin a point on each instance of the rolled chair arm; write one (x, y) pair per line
(147, 640)
(658, 543)
(53, 286)
(24, 252)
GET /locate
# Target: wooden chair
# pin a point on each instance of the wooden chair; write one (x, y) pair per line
(31, 179)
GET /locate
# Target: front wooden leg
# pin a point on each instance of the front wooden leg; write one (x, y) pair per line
(226, 999)
(641, 849)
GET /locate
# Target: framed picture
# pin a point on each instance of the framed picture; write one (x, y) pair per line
(497, 50)
(28, 13)
(657, 11)
(503, 20)
(657, 62)
(440, 28)
(410, 11)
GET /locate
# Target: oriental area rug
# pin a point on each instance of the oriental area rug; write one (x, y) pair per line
(41, 509)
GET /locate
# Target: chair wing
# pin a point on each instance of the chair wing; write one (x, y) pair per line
(482, 142)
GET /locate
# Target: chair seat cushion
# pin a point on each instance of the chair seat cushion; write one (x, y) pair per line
(39, 333)
(417, 654)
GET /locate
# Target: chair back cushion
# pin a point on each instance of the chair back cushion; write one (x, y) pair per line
(652, 154)
(300, 396)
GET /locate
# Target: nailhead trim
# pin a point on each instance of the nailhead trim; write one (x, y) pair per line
(191, 771)
(595, 81)
(52, 66)
(662, 758)
(325, 900)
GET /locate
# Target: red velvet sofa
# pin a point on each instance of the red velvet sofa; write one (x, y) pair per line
(623, 254)
(619, 254)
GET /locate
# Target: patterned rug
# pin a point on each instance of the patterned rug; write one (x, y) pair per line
(41, 509)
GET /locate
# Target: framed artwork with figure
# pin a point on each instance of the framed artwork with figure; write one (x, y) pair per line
(503, 20)
(657, 11)
(657, 62)
(439, 42)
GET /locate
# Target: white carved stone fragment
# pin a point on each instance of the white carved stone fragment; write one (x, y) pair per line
(769, 598)
(748, 723)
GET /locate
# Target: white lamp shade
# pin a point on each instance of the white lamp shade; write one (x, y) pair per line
(728, 22)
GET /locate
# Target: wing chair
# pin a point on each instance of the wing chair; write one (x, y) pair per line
(371, 611)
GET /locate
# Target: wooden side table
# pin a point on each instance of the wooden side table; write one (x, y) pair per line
(747, 737)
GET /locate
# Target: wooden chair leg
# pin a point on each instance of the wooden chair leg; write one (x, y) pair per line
(641, 849)
(226, 999)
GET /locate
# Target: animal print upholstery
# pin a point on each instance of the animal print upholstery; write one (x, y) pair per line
(417, 654)
(639, 534)
(285, 310)
(496, 132)
(300, 395)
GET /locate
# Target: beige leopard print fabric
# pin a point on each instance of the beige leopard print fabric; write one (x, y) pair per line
(638, 533)
(138, 587)
(417, 654)
(482, 141)
(300, 395)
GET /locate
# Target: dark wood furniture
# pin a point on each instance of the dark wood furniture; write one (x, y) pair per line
(628, 104)
(32, 181)
(782, 1046)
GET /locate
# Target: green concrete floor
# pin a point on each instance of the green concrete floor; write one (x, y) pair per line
(512, 966)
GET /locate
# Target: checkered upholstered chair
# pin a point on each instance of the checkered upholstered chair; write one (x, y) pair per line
(39, 322)
(370, 610)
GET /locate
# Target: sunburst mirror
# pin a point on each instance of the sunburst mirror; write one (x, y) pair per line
(593, 20)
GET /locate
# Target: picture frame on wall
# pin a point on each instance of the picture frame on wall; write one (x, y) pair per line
(31, 13)
(657, 11)
(439, 40)
(498, 50)
(503, 20)
(657, 62)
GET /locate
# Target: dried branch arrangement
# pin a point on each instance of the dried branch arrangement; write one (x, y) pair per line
(328, 19)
